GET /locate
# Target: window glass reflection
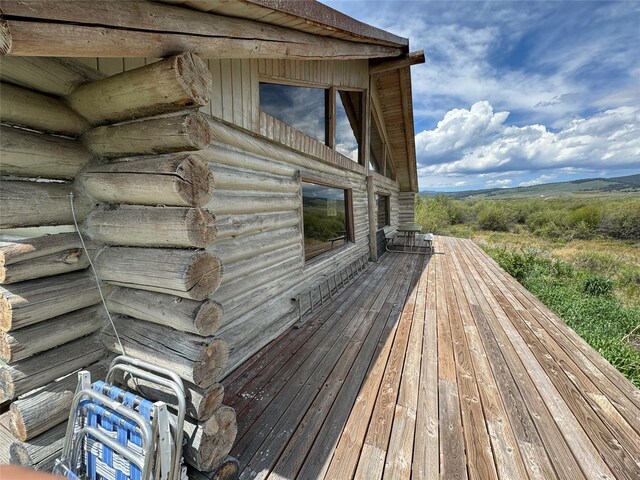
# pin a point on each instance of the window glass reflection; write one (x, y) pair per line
(324, 218)
(300, 107)
(348, 123)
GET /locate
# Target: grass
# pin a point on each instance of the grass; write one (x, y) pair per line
(584, 300)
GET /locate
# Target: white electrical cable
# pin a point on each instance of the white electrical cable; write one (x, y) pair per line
(95, 274)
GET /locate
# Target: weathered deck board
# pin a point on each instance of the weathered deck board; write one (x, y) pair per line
(434, 367)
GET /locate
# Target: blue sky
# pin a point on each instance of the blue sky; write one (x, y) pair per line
(517, 93)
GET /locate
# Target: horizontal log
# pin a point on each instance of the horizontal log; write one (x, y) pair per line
(237, 249)
(181, 180)
(138, 29)
(31, 154)
(48, 265)
(30, 248)
(43, 336)
(245, 268)
(199, 360)
(41, 452)
(201, 403)
(33, 372)
(233, 226)
(27, 204)
(202, 318)
(33, 301)
(229, 202)
(191, 274)
(139, 226)
(169, 85)
(166, 134)
(232, 178)
(19, 106)
(228, 469)
(55, 76)
(45, 408)
(218, 153)
(385, 66)
(206, 446)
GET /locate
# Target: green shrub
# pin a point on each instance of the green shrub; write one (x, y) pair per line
(622, 221)
(589, 217)
(493, 218)
(597, 285)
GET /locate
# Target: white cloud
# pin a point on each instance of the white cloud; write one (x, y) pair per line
(498, 183)
(477, 141)
(537, 181)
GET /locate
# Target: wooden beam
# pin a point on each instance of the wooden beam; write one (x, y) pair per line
(144, 29)
(413, 58)
(330, 117)
(407, 116)
(371, 202)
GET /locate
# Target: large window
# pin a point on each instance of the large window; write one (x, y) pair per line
(300, 107)
(384, 211)
(329, 115)
(325, 212)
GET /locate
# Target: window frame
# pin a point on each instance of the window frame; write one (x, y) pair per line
(387, 209)
(330, 110)
(348, 213)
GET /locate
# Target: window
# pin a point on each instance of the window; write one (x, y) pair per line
(384, 214)
(300, 107)
(326, 218)
(329, 115)
(348, 124)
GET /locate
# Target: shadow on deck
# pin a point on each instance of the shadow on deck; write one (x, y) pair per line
(431, 367)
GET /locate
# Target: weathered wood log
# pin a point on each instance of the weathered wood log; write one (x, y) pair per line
(166, 134)
(43, 336)
(232, 226)
(30, 248)
(6, 437)
(236, 249)
(199, 360)
(202, 318)
(44, 409)
(33, 301)
(48, 265)
(181, 180)
(38, 370)
(41, 452)
(139, 226)
(167, 86)
(31, 154)
(191, 274)
(26, 204)
(137, 29)
(228, 469)
(233, 178)
(230, 202)
(19, 106)
(55, 76)
(245, 268)
(207, 446)
(201, 403)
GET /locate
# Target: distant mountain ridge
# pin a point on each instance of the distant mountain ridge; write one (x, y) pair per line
(629, 184)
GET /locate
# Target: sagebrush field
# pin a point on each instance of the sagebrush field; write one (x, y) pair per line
(581, 257)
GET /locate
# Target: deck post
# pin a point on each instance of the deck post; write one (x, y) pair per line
(371, 206)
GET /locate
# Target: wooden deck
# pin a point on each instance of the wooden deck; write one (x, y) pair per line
(434, 367)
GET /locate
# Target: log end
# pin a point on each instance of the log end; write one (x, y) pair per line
(6, 312)
(211, 401)
(201, 227)
(19, 455)
(204, 275)
(198, 131)
(196, 189)
(210, 363)
(16, 423)
(215, 448)
(193, 75)
(6, 40)
(208, 318)
(5, 347)
(7, 387)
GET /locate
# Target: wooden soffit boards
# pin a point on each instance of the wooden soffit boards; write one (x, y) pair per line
(394, 92)
(139, 28)
(304, 15)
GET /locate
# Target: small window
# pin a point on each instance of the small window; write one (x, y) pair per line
(348, 124)
(300, 107)
(384, 214)
(325, 212)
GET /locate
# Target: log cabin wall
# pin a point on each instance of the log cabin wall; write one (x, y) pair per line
(139, 187)
(407, 207)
